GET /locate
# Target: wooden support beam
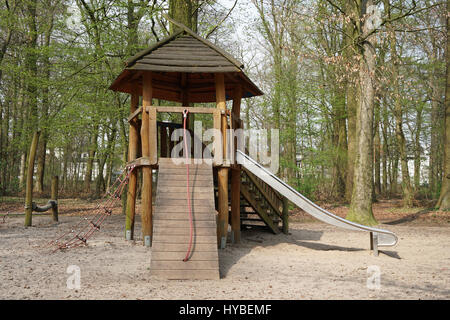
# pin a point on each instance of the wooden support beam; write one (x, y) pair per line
(133, 145)
(146, 215)
(285, 216)
(178, 109)
(136, 111)
(163, 141)
(54, 196)
(153, 136)
(29, 185)
(235, 205)
(236, 176)
(222, 173)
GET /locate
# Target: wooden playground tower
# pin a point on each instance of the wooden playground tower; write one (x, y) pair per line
(186, 69)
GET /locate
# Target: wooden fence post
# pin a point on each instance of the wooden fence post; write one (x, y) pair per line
(54, 196)
(285, 215)
(29, 186)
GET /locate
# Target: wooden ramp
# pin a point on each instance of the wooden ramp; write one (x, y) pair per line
(171, 225)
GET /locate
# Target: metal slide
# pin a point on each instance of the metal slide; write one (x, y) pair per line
(380, 237)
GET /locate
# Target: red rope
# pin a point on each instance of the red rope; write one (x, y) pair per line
(191, 231)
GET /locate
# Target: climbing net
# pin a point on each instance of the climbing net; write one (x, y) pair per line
(85, 228)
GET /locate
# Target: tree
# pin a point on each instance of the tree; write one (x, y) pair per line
(444, 198)
(361, 206)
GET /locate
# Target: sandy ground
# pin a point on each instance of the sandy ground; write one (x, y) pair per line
(315, 261)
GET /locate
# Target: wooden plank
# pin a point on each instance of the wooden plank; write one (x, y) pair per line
(153, 135)
(217, 144)
(168, 238)
(171, 56)
(198, 203)
(181, 178)
(181, 265)
(184, 275)
(160, 223)
(186, 51)
(157, 68)
(164, 196)
(193, 172)
(179, 44)
(171, 207)
(179, 189)
(181, 109)
(200, 231)
(180, 255)
(175, 247)
(135, 114)
(169, 163)
(170, 183)
(184, 216)
(185, 63)
(142, 161)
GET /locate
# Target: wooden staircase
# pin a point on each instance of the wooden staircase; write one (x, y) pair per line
(171, 231)
(261, 206)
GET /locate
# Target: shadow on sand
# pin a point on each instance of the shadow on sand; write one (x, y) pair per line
(256, 237)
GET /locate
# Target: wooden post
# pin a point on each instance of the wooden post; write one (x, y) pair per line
(236, 177)
(163, 137)
(29, 185)
(285, 215)
(171, 143)
(54, 196)
(235, 205)
(146, 216)
(222, 173)
(132, 183)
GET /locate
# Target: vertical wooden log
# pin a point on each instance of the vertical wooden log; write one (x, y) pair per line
(222, 228)
(29, 185)
(236, 177)
(285, 216)
(146, 216)
(163, 139)
(235, 205)
(133, 145)
(54, 196)
(171, 143)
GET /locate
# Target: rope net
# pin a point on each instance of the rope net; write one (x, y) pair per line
(85, 228)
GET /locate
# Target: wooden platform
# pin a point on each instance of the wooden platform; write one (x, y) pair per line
(171, 223)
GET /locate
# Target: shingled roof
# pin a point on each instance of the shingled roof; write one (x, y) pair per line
(184, 62)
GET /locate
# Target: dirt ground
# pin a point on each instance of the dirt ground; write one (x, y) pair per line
(315, 261)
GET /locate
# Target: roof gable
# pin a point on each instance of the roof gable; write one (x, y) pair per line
(184, 51)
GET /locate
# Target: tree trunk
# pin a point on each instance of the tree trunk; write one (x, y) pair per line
(40, 169)
(408, 194)
(90, 161)
(185, 12)
(417, 149)
(444, 198)
(361, 206)
(377, 152)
